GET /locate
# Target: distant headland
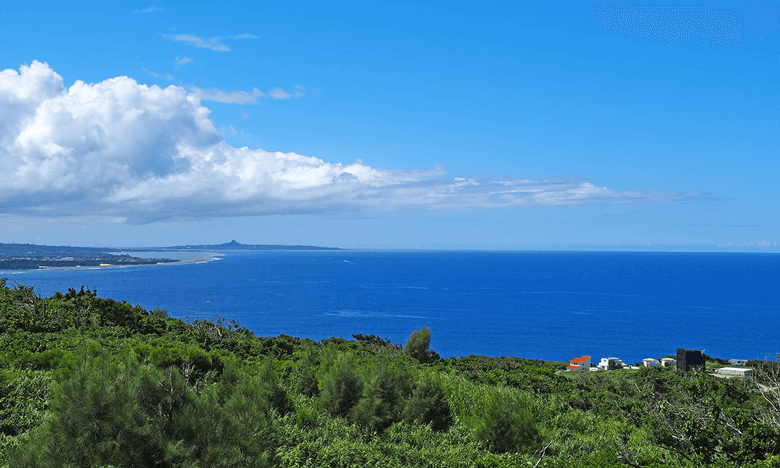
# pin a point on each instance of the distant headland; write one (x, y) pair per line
(33, 256)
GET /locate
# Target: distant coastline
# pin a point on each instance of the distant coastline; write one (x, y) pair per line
(232, 245)
(106, 266)
(45, 257)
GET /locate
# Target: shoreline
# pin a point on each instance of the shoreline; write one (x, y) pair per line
(113, 265)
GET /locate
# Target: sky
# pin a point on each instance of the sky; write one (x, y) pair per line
(392, 124)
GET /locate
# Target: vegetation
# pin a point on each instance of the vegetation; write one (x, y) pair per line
(88, 382)
(31, 257)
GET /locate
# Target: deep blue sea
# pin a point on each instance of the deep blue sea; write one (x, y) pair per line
(546, 305)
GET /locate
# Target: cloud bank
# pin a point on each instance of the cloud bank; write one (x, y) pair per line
(138, 154)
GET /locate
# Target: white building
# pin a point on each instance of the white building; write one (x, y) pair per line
(616, 363)
(735, 371)
(650, 362)
(738, 362)
(667, 361)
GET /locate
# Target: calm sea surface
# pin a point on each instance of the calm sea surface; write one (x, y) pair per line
(547, 305)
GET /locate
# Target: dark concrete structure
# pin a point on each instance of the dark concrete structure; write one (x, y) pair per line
(689, 359)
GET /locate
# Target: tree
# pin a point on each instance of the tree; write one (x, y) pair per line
(385, 388)
(306, 373)
(341, 388)
(418, 345)
(97, 417)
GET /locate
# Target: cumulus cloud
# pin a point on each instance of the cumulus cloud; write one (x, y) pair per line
(125, 151)
(196, 41)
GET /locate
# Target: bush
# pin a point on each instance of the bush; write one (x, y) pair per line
(96, 418)
(385, 390)
(428, 405)
(341, 388)
(306, 374)
(270, 388)
(507, 426)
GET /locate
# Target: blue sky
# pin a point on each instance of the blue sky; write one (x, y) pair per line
(479, 125)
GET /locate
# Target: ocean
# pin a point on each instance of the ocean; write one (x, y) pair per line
(541, 305)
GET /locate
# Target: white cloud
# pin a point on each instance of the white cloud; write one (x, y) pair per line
(150, 9)
(278, 93)
(239, 97)
(151, 73)
(228, 97)
(244, 36)
(183, 60)
(196, 41)
(120, 150)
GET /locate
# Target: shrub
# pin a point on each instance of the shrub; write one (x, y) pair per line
(96, 418)
(270, 388)
(385, 390)
(507, 426)
(341, 388)
(306, 374)
(428, 405)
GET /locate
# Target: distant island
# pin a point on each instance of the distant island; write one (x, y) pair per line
(33, 256)
(232, 245)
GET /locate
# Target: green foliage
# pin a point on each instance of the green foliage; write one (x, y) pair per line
(24, 398)
(268, 386)
(418, 345)
(385, 388)
(240, 431)
(508, 426)
(428, 404)
(97, 418)
(341, 388)
(86, 381)
(306, 381)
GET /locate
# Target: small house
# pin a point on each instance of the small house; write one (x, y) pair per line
(580, 363)
(650, 362)
(615, 363)
(668, 362)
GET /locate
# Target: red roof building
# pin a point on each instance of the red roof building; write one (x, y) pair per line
(580, 363)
